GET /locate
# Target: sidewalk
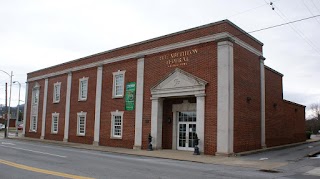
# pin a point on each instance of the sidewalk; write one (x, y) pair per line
(177, 155)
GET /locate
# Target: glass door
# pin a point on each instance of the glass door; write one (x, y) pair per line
(186, 130)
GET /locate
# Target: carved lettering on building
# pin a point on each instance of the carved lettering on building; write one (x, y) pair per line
(178, 58)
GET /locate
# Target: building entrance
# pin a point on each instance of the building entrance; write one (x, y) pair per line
(186, 130)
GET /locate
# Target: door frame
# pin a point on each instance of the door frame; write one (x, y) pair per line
(187, 148)
(184, 107)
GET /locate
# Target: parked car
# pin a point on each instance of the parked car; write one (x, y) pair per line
(2, 127)
(20, 126)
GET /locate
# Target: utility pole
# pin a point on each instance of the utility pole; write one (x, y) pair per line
(17, 118)
(9, 115)
(6, 109)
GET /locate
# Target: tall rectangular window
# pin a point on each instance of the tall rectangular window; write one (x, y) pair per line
(83, 89)
(54, 125)
(116, 123)
(35, 96)
(34, 123)
(81, 123)
(56, 92)
(34, 107)
(118, 84)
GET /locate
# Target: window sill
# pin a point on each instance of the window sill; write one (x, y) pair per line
(32, 131)
(55, 102)
(81, 135)
(54, 133)
(115, 97)
(82, 99)
(117, 138)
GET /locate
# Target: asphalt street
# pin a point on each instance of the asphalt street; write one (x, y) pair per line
(28, 159)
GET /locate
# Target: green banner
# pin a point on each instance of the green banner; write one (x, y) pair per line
(130, 96)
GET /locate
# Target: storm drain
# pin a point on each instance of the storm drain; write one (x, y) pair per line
(269, 171)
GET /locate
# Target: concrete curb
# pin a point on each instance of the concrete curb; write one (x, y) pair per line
(275, 148)
(175, 155)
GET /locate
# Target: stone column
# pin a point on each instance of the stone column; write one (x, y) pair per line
(139, 104)
(67, 111)
(200, 120)
(225, 117)
(263, 103)
(25, 110)
(44, 109)
(97, 107)
(156, 122)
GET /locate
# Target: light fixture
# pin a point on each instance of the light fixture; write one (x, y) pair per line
(248, 99)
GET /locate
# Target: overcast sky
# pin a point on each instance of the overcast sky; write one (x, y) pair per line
(36, 34)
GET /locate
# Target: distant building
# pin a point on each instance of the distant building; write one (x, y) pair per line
(13, 117)
(209, 80)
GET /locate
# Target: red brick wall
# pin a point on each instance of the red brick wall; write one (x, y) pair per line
(284, 120)
(56, 107)
(87, 106)
(167, 113)
(247, 115)
(167, 127)
(36, 134)
(109, 104)
(166, 40)
(203, 65)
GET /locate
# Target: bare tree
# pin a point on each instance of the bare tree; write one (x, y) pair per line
(315, 110)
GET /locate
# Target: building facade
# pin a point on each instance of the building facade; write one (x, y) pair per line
(208, 82)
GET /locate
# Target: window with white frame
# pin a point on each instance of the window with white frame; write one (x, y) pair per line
(81, 123)
(33, 126)
(35, 95)
(83, 88)
(117, 124)
(118, 84)
(55, 121)
(34, 107)
(56, 92)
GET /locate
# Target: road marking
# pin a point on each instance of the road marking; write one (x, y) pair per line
(39, 170)
(34, 151)
(6, 143)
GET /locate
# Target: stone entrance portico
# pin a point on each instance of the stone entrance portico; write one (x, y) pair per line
(177, 84)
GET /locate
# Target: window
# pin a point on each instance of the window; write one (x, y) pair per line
(34, 107)
(54, 125)
(33, 126)
(81, 123)
(35, 96)
(116, 123)
(118, 84)
(83, 88)
(56, 92)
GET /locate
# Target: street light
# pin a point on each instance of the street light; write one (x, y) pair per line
(17, 108)
(8, 122)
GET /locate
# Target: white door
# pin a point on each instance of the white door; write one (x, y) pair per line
(186, 130)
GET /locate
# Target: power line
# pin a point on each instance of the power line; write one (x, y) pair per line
(315, 6)
(279, 25)
(248, 10)
(295, 29)
(291, 22)
(310, 11)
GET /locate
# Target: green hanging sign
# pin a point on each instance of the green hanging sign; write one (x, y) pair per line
(130, 96)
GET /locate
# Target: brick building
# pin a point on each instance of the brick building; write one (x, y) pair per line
(209, 81)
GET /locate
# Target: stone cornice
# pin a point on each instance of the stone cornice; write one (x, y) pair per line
(205, 39)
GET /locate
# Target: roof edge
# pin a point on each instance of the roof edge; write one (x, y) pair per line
(272, 70)
(290, 102)
(154, 39)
